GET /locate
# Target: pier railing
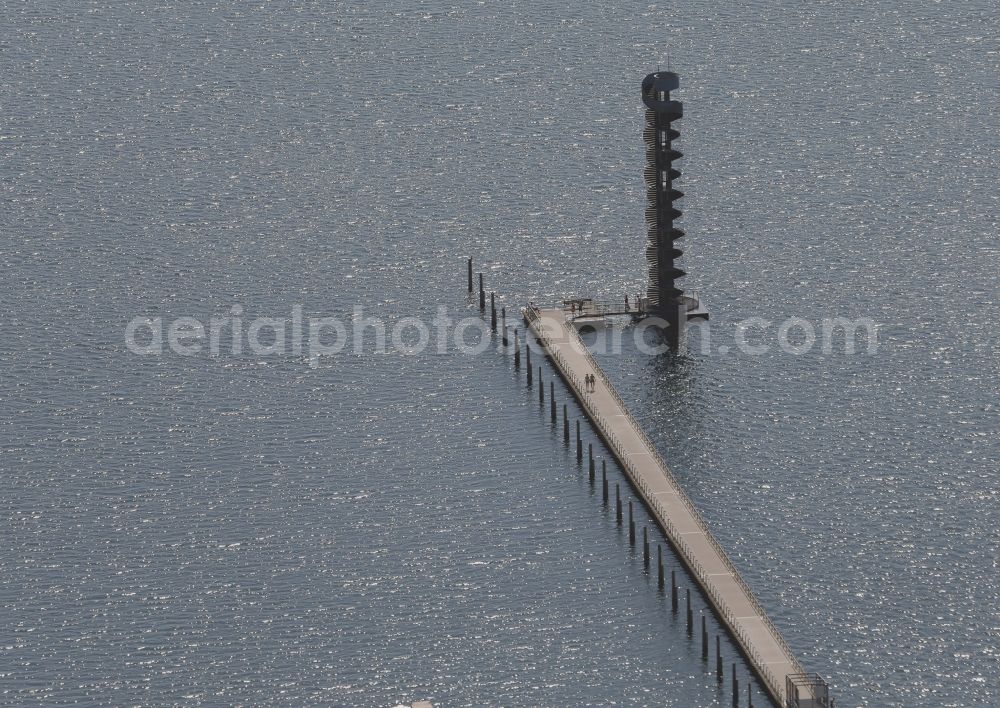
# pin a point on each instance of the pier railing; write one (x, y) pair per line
(578, 309)
(532, 315)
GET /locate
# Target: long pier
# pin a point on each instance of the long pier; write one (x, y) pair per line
(778, 670)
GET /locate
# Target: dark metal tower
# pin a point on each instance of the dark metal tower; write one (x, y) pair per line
(664, 298)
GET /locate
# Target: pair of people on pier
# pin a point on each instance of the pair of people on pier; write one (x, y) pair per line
(591, 382)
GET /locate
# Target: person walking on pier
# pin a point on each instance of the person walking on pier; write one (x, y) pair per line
(626, 302)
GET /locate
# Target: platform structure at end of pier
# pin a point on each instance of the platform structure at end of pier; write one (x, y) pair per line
(729, 594)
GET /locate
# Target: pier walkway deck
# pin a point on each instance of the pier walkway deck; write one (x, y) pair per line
(731, 597)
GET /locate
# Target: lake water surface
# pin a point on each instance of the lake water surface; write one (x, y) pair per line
(249, 529)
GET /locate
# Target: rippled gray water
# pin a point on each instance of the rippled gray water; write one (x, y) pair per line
(247, 529)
